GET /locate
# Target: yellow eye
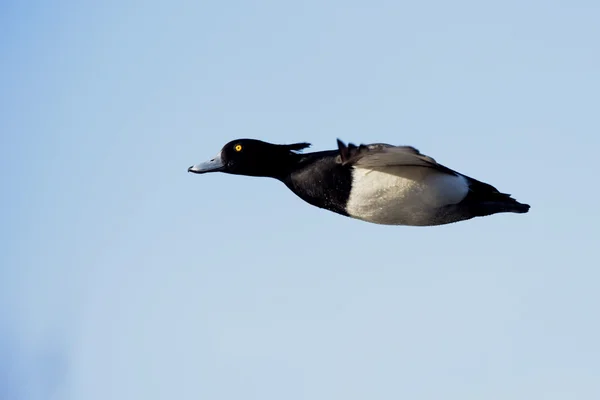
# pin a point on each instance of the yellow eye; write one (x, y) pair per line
(238, 147)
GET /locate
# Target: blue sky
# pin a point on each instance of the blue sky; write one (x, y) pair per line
(123, 277)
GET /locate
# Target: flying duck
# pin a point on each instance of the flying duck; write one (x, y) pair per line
(377, 183)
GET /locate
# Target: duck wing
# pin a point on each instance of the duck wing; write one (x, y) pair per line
(382, 155)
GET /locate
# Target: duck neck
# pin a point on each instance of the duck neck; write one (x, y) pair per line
(282, 167)
(277, 166)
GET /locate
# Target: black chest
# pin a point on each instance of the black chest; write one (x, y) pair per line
(323, 183)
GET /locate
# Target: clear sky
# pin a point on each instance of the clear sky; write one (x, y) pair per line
(124, 277)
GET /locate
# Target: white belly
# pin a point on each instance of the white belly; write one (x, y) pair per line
(403, 195)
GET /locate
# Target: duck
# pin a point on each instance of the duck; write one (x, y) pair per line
(377, 183)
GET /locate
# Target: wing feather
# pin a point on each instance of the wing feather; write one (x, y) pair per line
(381, 155)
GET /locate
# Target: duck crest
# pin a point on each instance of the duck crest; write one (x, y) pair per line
(295, 147)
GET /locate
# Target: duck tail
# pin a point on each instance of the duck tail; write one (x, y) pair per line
(484, 199)
(493, 207)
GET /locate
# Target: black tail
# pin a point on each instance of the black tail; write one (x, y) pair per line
(484, 199)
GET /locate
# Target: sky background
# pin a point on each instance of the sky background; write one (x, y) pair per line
(124, 277)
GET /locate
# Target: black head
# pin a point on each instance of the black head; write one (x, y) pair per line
(253, 158)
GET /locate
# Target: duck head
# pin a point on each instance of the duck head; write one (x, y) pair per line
(252, 158)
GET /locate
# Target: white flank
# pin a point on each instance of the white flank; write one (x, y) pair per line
(403, 195)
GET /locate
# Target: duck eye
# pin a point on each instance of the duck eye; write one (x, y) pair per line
(238, 147)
